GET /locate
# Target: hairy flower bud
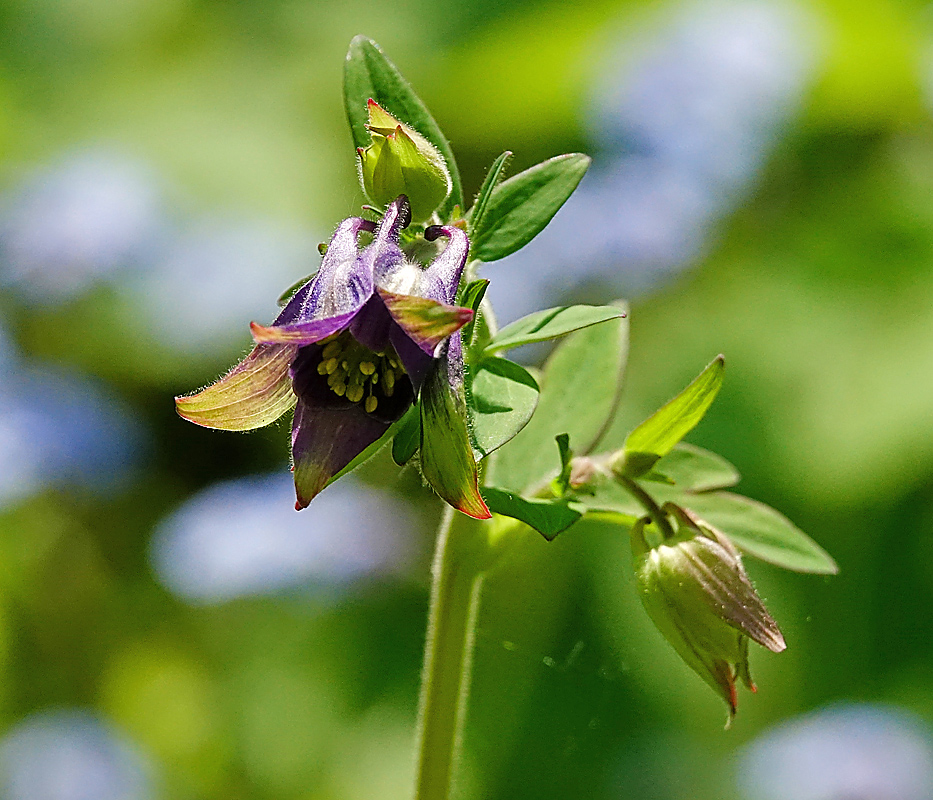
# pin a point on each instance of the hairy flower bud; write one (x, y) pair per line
(401, 161)
(697, 593)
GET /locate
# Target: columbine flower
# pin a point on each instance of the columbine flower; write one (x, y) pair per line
(350, 351)
(697, 593)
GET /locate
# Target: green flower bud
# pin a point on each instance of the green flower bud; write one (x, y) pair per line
(697, 593)
(401, 161)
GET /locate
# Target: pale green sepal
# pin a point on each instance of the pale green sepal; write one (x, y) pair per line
(658, 434)
(426, 321)
(447, 461)
(406, 441)
(256, 392)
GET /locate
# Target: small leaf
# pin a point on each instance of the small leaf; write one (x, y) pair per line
(408, 437)
(697, 470)
(290, 291)
(547, 516)
(520, 208)
(666, 427)
(368, 74)
(562, 481)
(471, 297)
(760, 531)
(579, 394)
(447, 461)
(503, 396)
(481, 205)
(551, 323)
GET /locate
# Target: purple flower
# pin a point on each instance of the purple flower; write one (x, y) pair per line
(351, 351)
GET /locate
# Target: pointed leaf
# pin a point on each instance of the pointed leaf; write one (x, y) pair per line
(503, 397)
(368, 74)
(408, 437)
(659, 433)
(521, 207)
(547, 516)
(694, 469)
(579, 394)
(551, 323)
(471, 297)
(447, 461)
(254, 393)
(480, 206)
(760, 531)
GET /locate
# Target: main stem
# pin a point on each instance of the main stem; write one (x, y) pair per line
(460, 561)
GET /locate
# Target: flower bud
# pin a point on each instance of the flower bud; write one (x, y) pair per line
(697, 593)
(401, 161)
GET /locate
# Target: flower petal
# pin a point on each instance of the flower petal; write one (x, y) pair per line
(302, 333)
(324, 441)
(254, 393)
(440, 280)
(446, 455)
(345, 280)
(426, 321)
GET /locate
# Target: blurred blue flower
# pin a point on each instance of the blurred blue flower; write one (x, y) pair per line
(855, 752)
(70, 755)
(60, 429)
(69, 225)
(243, 537)
(682, 129)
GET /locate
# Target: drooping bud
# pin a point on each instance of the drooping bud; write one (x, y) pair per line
(401, 161)
(695, 589)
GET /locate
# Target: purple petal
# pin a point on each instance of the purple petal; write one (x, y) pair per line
(324, 441)
(345, 280)
(414, 359)
(441, 279)
(372, 325)
(302, 333)
(254, 393)
(384, 255)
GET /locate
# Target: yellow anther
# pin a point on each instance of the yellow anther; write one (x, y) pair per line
(331, 350)
(393, 363)
(390, 381)
(339, 389)
(370, 404)
(330, 366)
(374, 378)
(355, 393)
(345, 364)
(367, 367)
(322, 368)
(357, 378)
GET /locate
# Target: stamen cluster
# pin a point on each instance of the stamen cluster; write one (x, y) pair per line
(353, 371)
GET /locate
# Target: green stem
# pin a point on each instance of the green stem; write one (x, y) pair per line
(461, 559)
(647, 501)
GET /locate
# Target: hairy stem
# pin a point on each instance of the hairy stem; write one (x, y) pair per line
(461, 559)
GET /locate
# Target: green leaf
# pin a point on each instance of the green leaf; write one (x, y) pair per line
(579, 394)
(478, 211)
(547, 516)
(447, 461)
(695, 469)
(369, 74)
(551, 323)
(408, 437)
(658, 434)
(471, 297)
(562, 481)
(760, 531)
(520, 208)
(290, 291)
(502, 398)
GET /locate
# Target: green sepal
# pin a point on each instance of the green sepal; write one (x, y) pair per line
(447, 461)
(658, 434)
(470, 297)
(521, 207)
(550, 324)
(408, 437)
(368, 74)
(548, 517)
(502, 396)
(426, 321)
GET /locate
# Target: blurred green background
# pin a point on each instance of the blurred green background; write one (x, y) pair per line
(169, 628)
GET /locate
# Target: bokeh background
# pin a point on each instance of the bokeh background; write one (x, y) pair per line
(762, 186)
